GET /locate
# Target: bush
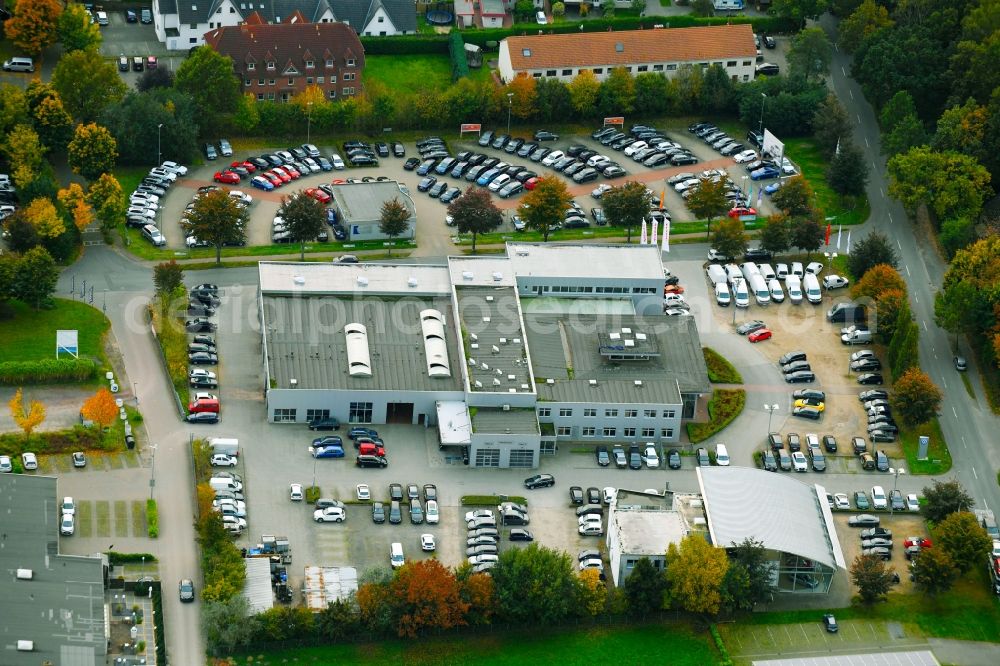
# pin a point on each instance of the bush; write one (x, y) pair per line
(405, 44)
(720, 370)
(152, 519)
(459, 62)
(312, 494)
(172, 338)
(723, 652)
(725, 405)
(47, 371)
(76, 438)
(490, 500)
(114, 557)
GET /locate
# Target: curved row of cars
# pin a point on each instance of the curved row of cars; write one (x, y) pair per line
(202, 351)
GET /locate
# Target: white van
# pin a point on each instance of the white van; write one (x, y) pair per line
(781, 271)
(19, 64)
(741, 295)
(811, 286)
(717, 274)
(766, 271)
(794, 286)
(217, 483)
(759, 289)
(777, 295)
(722, 294)
(228, 445)
(733, 273)
(797, 269)
(396, 555)
(749, 268)
(721, 455)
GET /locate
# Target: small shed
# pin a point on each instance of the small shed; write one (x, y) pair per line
(473, 55)
(257, 588)
(324, 585)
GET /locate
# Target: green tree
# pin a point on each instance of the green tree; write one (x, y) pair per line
(934, 571)
(800, 10)
(626, 206)
(474, 213)
(807, 234)
(708, 201)
(226, 625)
(544, 207)
(735, 588)
(583, 90)
(730, 238)
(717, 92)
(76, 31)
(608, 8)
(32, 27)
(943, 498)
(795, 197)
(105, 195)
(21, 234)
(92, 152)
(961, 308)
(304, 218)
(750, 555)
(956, 234)
(962, 536)
(339, 621)
(831, 125)
(217, 219)
(552, 100)
(702, 8)
(915, 398)
(37, 275)
(616, 95)
(53, 123)
(695, 571)
(872, 578)
(898, 107)
(87, 83)
(973, 68)
(13, 108)
(848, 171)
(872, 250)
(534, 584)
(394, 220)
(963, 129)
(652, 94)
(775, 236)
(168, 276)
(158, 77)
(591, 593)
(207, 76)
(810, 53)
(887, 313)
(866, 20)
(907, 133)
(645, 588)
(135, 124)
(951, 184)
(25, 152)
(42, 215)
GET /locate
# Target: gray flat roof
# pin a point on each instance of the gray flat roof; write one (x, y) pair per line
(491, 328)
(520, 421)
(359, 202)
(61, 608)
(586, 260)
(647, 532)
(779, 510)
(559, 342)
(315, 278)
(306, 342)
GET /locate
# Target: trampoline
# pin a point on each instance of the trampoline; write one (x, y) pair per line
(440, 16)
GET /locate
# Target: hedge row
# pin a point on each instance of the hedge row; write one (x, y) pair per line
(77, 438)
(47, 371)
(424, 44)
(152, 519)
(725, 405)
(459, 61)
(114, 557)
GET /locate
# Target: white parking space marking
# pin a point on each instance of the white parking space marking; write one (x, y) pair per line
(973, 469)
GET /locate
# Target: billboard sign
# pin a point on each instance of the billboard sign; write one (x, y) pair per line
(471, 127)
(67, 341)
(772, 146)
(615, 120)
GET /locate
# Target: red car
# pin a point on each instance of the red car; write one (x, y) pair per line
(249, 166)
(227, 177)
(292, 173)
(740, 211)
(338, 181)
(672, 289)
(530, 183)
(758, 336)
(274, 178)
(280, 175)
(917, 541)
(318, 194)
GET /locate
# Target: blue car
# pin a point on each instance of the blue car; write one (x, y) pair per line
(327, 451)
(324, 163)
(329, 440)
(771, 188)
(331, 216)
(764, 173)
(262, 183)
(426, 167)
(356, 432)
(488, 177)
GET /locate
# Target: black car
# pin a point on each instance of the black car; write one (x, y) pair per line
(203, 417)
(683, 159)
(603, 459)
(870, 378)
(830, 443)
(593, 495)
(437, 190)
(576, 494)
(450, 195)
(791, 357)
(521, 534)
(674, 459)
(378, 512)
(203, 358)
(796, 366)
(186, 587)
(807, 413)
(398, 150)
(539, 481)
(768, 461)
(329, 423)
(396, 492)
(395, 513)
(829, 621)
(203, 382)
(809, 394)
(746, 328)
(802, 376)
(411, 164)
(371, 461)
(382, 149)
(430, 492)
(757, 254)
(873, 394)
(199, 325)
(545, 135)
(634, 457)
(426, 184)
(200, 309)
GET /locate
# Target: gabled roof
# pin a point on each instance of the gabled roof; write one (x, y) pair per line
(272, 11)
(285, 43)
(626, 47)
(358, 13)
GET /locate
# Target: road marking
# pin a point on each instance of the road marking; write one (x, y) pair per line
(843, 71)
(965, 444)
(866, 142)
(875, 166)
(883, 196)
(849, 91)
(899, 245)
(925, 321)
(908, 275)
(915, 299)
(974, 473)
(859, 118)
(954, 412)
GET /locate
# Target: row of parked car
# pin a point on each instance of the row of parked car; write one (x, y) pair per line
(242, 199)
(637, 457)
(644, 144)
(272, 170)
(202, 351)
(229, 500)
(483, 536)
(370, 447)
(144, 201)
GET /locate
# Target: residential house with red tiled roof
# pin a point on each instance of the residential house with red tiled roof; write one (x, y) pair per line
(563, 56)
(277, 61)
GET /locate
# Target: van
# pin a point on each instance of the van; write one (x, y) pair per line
(847, 313)
(774, 286)
(721, 455)
(856, 337)
(218, 483)
(794, 286)
(760, 290)
(396, 555)
(722, 294)
(153, 235)
(733, 273)
(228, 445)
(19, 64)
(749, 268)
(741, 295)
(716, 274)
(811, 286)
(204, 405)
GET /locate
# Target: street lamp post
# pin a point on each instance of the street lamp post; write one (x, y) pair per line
(510, 103)
(770, 409)
(159, 153)
(736, 286)
(309, 108)
(763, 98)
(314, 472)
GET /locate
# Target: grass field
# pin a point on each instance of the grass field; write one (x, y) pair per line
(806, 155)
(413, 73)
(938, 457)
(645, 644)
(31, 334)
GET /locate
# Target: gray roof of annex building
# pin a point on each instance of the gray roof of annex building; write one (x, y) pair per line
(363, 201)
(585, 260)
(778, 510)
(494, 342)
(272, 11)
(559, 342)
(61, 608)
(358, 13)
(306, 341)
(520, 421)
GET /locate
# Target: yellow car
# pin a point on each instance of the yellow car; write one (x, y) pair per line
(810, 402)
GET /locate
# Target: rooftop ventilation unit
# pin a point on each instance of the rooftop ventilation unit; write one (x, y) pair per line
(486, 366)
(359, 362)
(524, 387)
(486, 320)
(517, 341)
(467, 275)
(626, 331)
(496, 350)
(630, 343)
(619, 47)
(362, 281)
(512, 390)
(412, 282)
(25, 574)
(640, 336)
(478, 384)
(299, 280)
(593, 382)
(489, 299)
(505, 408)
(511, 378)
(499, 372)
(435, 348)
(25, 646)
(472, 362)
(550, 381)
(615, 336)
(497, 276)
(294, 383)
(474, 337)
(474, 345)
(503, 341)
(638, 382)
(522, 253)
(496, 382)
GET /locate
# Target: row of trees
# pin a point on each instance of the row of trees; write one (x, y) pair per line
(100, 408)
(529, 586)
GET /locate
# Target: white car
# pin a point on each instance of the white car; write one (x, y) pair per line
(553, 157)
(241, 196)
(239, 505)
(331, 514)
(144, 196)
(799, 462)
(686, 185)
(68, 507)
(427, 543)
(995, 553)
(233, 510)
(223, 460)
(834, 282)
(608, 494)
(141, 211)
(234, 524)
(6, 465)
(879, 500)
(721, 455)
(164, 173)
(431, 514)
(67, 525)
(599, 191)
(479, 513)
(200, 372)
(589, 518)
(650, 457)
(796, 269)
(499, 182)
(812, 440)
(178, 169)
(912, 503)
(597, 159)
(363, 492)
(745, 156)
(314, 166)
(841, 501)
(481, 559)
(590, 529)
(814, 267)
(29, 461)
(337, 161)
(592, 563)
(295, 492)
(635, 147)
(715, 255)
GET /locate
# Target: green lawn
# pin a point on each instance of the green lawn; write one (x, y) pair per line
(806, 155)
(413, 73)
(643, 644)
(31, 334)
(938, 457)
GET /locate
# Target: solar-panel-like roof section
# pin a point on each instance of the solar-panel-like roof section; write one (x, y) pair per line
(882, 658)
(779, 510)
(433, 325)
(359, 363)
(495, 347)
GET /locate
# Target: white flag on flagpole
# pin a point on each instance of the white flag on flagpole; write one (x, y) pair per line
(652, 238)
(848, 250)
(840, 230)
(642, 240)
(666, 235)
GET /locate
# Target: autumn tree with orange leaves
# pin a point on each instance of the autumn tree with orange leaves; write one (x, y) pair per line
(425, 595)
(524, 89)
(27, 420)
(101, 408)
(33, 27)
